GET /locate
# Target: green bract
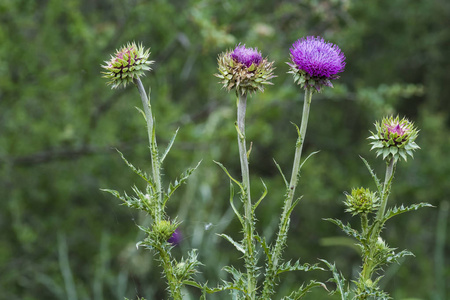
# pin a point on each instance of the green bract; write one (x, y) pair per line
(129, 62)
(245, 79)
(394, 138)
(361, 201)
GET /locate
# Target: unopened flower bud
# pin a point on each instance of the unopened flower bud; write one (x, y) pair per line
(315, 62)
(129, 62)
(394, 138)
(244, 69)
(361, 201)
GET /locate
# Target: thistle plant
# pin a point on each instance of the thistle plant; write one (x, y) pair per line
(394, 139)
(314, 64)
(127, 66)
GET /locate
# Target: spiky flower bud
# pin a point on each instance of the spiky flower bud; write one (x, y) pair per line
(244, 69)
(129, 62)
(315, 62)
(361, 201)
(162, 231)
(394, 138)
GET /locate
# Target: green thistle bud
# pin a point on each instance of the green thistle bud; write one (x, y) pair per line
(129, 62)
(163, 230)
(361, 201)
(244, 69)
(394, 138)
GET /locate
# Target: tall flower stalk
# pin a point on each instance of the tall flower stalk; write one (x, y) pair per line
(127, 66)
(314, 63)
(394, 139)
(245, 70)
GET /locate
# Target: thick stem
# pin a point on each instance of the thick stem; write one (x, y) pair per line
(153, 147)
(174, 285)
(384, 197)
(284, 222)
(248, 230)
(368, 267)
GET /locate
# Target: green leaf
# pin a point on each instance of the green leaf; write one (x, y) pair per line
(178, 182)
(226, 172)
(169, 146)
(139, 172)
(282, 174)
(313, 153)
(392, 212)
(238, 246)
(347, 229)
(262, 196)
(303, 290)
(338, 279)
(374, 176)
(289, 267)
(236, 212)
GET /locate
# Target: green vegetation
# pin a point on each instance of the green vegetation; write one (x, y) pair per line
(62, 238)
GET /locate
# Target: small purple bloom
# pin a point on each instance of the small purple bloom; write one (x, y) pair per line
(246, 56)
(176, 237)
(396, 129)
(317, 57)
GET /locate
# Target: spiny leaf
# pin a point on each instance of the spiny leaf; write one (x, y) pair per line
(226, 172)
(313, 153)
(338, 279)
(236, 212)
(169, 146)
(303, 290)
(139, 172)
(347, 229)
(266, 248)
(282, 174)
(402, 209)
(289, 267)
(238, 246)
(262, 197)
(375, 178)
(178, 182)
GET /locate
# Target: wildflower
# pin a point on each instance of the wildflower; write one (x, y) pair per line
(163, 230)
(129, 62)
(244, 69)
(315, 62)
(394, 138)
(361, 201)
(176, 237)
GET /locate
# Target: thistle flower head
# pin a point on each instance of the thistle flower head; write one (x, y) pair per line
(176, 237)
(129, 62)
(244, 69)
(315, 62)
(361, 201)
(162, 231)
(394, 138)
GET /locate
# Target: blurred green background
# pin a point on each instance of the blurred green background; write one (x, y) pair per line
(62, 238)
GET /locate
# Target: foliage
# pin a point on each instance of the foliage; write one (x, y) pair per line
(60, 128)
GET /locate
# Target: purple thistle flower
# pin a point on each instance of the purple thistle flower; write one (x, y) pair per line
(397, 129)
(318, 58)
(176, 237)
(246, 56)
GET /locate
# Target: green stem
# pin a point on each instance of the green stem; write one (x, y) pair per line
(384, 198)
(285, 217)
(368, 266)
(153, 147)
(174, 285)
(250, 259)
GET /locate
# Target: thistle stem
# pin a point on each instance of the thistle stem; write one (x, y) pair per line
(153, 147)
(250, 259)
(390, 168)
(368, 267)
(285, 217)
